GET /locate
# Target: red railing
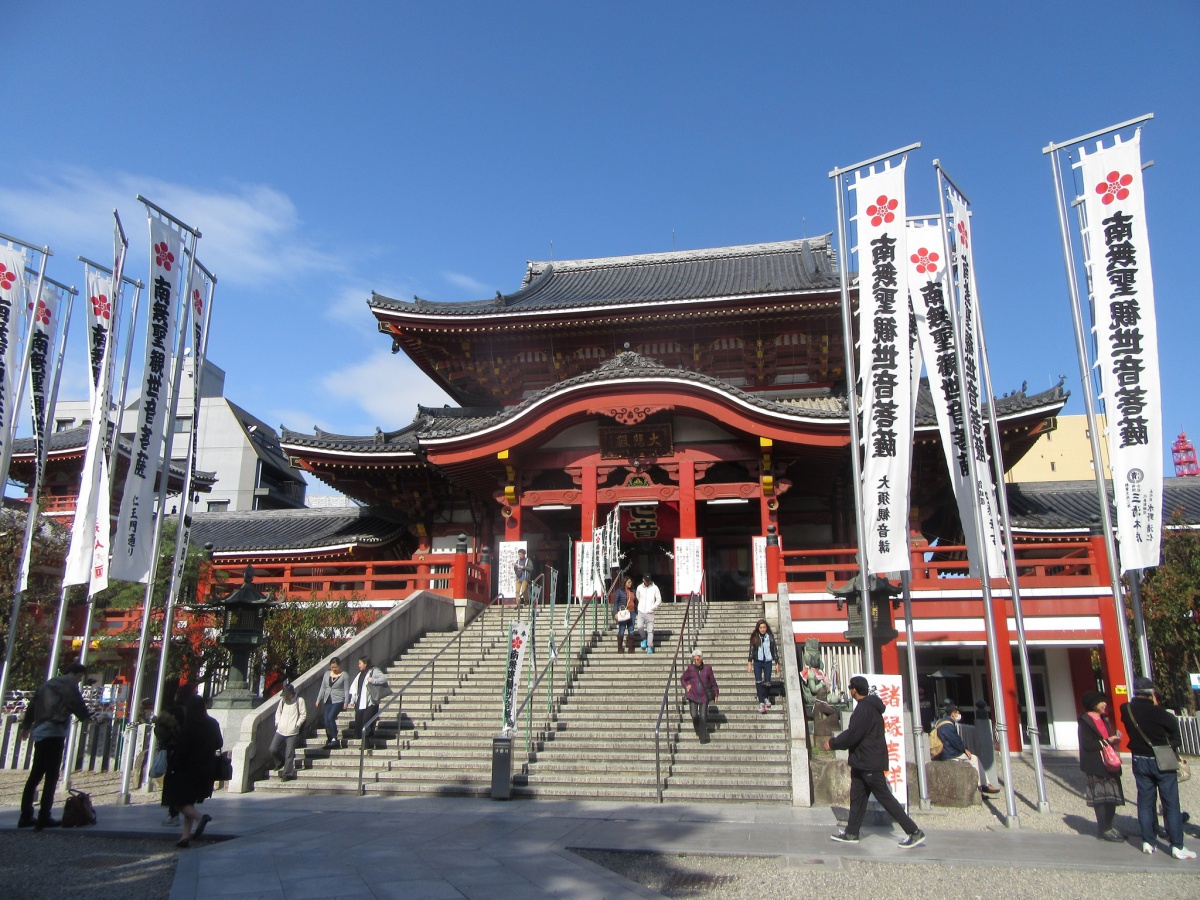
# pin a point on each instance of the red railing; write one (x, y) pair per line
(1041, 564)
(369, 579)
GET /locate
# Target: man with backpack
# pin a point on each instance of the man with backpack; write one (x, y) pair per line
(47, 721)
(947, 745)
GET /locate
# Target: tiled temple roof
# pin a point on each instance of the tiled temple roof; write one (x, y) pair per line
(292, 529)
(782, 267)
(1062, 505)
(433, 423)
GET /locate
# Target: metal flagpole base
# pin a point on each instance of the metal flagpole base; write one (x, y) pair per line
(926, 803)
(1043, 806)
(1011, 822)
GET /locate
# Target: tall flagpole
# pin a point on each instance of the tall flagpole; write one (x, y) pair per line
(1089, 399)
(183, 530)
(6, 451)
(52, 400)
(160, 518)
(1031, 725)
(989, 611)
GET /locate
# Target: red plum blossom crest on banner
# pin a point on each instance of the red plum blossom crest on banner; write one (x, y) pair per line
(926, 261)
(1116, 187)
(198, 302)
(962, 234)
(101, 307)
(883, 210)
(7, 277)
(163, 256)
(42, 315)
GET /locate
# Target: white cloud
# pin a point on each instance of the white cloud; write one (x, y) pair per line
(387, 388)
(467, 283)
(251, 234)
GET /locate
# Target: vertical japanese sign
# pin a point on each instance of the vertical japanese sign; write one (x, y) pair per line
(689, 565)
(12, 290)
(518, 639)
(87, 558)
(1117, 248)
(586, 583)
(968, 322)
(884, 367)
(135, 528)
(506, 575)
(41, 368)
(930, 288)
(890, 689)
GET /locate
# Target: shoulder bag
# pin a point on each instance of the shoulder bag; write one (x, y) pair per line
(1108, 755)
(1164, 754)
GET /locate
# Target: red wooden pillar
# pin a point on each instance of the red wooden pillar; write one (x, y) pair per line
(458, 578)
(1008, 676)
(587, 506)
(687, 498)
(774, 569)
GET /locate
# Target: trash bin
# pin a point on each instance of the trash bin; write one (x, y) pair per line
(502, 768)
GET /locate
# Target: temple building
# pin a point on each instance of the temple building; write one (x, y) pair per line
(702, 394)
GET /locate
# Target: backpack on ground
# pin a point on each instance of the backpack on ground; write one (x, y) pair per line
(78, 810)
(935, 740)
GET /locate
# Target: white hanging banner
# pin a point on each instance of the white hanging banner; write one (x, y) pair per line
(689, 566)
(518, 640)
(41, 370)
(86, 528)
(135, 527)
(587, 585)
(1117, 247)
(929, 285)
(968, 320)
(12, 292)
(884, 368)
(890, 689)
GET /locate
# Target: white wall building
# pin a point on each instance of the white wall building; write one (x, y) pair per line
(240, 449)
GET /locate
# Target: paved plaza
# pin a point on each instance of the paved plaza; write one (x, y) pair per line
(310, 846)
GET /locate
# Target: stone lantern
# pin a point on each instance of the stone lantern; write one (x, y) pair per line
(244, 614)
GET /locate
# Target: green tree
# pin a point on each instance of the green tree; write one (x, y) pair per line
(300, 633)
(39, 606)
(1171, 604)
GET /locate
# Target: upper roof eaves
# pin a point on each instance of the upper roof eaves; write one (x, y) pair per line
(783, 267)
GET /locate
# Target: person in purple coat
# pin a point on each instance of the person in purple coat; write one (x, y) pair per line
(700, 688)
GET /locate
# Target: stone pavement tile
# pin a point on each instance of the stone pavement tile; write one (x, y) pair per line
(236, 883)
(434, 889)
(481, 876)
(312, 888)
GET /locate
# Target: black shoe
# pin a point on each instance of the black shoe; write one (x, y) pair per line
(845, 837)
(26, 821)
(46, 823)
(184, 844)
(1112, 835)
(916, 839)
(204, 820)
(282, 778)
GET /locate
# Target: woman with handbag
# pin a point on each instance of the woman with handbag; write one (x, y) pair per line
(193, 768)
(1098, 760)
(1154, 743)
(624, 610)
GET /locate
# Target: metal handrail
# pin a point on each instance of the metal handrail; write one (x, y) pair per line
(552, 662)
(395, 697)
(698, 601)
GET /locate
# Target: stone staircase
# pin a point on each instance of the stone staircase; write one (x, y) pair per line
(602, 744)
(599, 743)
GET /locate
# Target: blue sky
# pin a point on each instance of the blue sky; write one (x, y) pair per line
(329, 150)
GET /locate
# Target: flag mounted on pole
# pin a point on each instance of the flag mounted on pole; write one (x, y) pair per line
(1117, 254)
(885, 361)
(134, 538)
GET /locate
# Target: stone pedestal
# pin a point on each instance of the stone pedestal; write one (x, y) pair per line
(953, 784)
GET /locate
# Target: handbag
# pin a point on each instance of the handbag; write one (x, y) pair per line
(158, 766)
(1109, 757)
(1185, 771)
(1164, 754)
(623, 615)
(224, 769)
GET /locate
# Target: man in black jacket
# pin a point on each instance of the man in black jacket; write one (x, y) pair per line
(1148, 725)
(868, 762)
(47, 720)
